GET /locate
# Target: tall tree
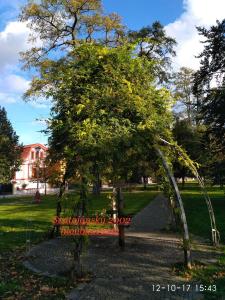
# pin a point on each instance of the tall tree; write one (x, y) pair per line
(106, 110)
(209, 85)
(64, 24)
(107, 107)
(209, 88)
(191, 138)
(183, 87)
(10, 148)
(154, 44)
(60, 26)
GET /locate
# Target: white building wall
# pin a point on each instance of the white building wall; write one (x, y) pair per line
(24, 176)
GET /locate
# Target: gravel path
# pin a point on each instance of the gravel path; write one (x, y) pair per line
(131, 274)
(153, 218)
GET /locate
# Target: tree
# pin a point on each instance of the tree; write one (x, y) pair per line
(98, 95)
(10, 149)
(210, 80)
(106, 110)
(191, 138)
(62, 25)
(213, 167)
(209, 90)
(154, 44)
(183, 82)
(107, 107)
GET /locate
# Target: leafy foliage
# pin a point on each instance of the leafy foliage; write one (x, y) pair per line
(105, 105)
(183, 82)
(210, 79)
(62, 25)
(9, 149)
(210, 91)
(154, 44)
(192, 139)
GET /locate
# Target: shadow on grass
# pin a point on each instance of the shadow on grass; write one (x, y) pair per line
(17, 233)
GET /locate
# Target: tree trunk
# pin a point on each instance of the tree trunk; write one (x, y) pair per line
(45, 179)
(183, 181)
(114, 209)
(96, 190)
(77, 270)
(97, 182)
(120, 207)
(56, 228)
(83, 195)
(145, 181)
(59, 206)
(79, 241)
(186, 239)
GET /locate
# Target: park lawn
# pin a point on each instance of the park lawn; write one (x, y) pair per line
(199, 224)
(197, 212)
(21, 220)
(18, 217)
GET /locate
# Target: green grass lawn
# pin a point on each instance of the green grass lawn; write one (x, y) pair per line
(199, 224)
(197, 213)
(20, 220)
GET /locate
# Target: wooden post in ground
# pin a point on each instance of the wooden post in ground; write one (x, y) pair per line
(120, 207)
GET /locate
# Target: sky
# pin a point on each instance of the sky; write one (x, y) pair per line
(180, 18)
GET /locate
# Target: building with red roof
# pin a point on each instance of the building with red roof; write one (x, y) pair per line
(28, 178)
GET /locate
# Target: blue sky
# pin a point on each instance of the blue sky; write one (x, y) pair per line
(138, 13)
(178, 16)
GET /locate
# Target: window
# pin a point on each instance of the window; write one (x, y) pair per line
(34, 172)
(37, 172)
(41, 155)
(32, 155)
(37, 155)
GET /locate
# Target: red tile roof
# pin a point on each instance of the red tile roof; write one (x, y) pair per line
(27, 149)
(36, 145)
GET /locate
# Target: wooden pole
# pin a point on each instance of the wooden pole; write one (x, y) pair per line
(120, 207)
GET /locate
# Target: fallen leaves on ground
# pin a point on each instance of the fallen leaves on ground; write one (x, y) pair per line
(18, 283)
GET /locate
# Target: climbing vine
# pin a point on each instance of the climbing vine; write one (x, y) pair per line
(185, 160)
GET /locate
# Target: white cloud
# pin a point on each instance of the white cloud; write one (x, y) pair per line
(12, 87)
(13, 40)
(7, 98)
(206, 11)
(14, 84)
(197, 13)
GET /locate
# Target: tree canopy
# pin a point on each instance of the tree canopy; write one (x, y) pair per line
(105, 103)
(60, 25)
(9, 149)
(210, 80)
(183, 82)
(153, 43)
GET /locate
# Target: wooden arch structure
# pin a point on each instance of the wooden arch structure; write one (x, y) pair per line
(186, 238)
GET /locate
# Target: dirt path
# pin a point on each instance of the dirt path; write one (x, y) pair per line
(132, 274)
